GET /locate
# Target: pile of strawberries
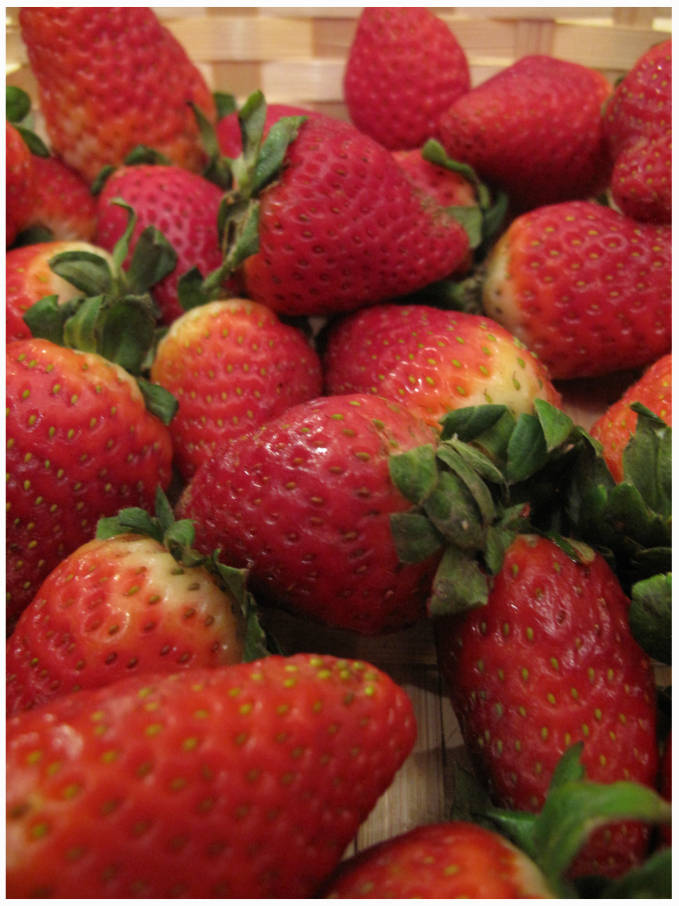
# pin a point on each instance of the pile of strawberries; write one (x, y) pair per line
(259, 358)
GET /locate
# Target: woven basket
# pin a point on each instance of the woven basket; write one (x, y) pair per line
(297, 55)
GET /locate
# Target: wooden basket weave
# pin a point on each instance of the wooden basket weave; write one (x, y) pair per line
(297, 55)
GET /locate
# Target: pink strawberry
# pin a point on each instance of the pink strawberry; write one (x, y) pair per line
(64, 205)
(343, 227)
(231, 364)
(549, 661)
(432, 360)
(118, 605)
(247, 781)
(305, 501)
(451, 860)
(584, 287)
(616, 425)
(81, 444)
(111, 78)
(405, 67)
(533, 129)
(29, 277)
(19, 183)
(182, 205)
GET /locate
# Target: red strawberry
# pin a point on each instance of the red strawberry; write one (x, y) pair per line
(405, 67)
(29, 277)
(305, 502)
(111, 78)
(451, 860)
(615, 426)
(231, 364)
(447, 187)
(641, 181)
(80, 445)
(246, 781)
(583, 286)
(129, 601)
(342, 227)
(229, 133)
(432, 360)
(64, 204)
(547, 662)
(533, 129)
(19, 183)
(182, 205)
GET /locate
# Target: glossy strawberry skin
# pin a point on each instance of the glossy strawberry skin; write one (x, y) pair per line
(305, 502)
(641, 181)
(80, 445)
(404, 68)
(109, 79)
(432, 361)
(64, 203)
(113, 608)
(533, 129)
(19, 183)
(616, 425)
(551, 661)
(231, 364)
(584, 287)
(182, 205)
(451, 860)
(343, 228)
(29, 278)
(242, 781)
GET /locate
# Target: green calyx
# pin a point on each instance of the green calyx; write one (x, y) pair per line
(115, 315)
(18, 113)
(494, 474)
(178, 537)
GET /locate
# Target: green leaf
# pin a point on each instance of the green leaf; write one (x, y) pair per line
(414, 536)
(126, 330)
(191, 289)
(17, 104)
(647, 460)
(500, 535)
(131, 520)
(556, 425)
(273, 151)
(527, 449)
(33, 141)
(459, 585)
(569, 767)
(46, 318)
(434, 152)
(477, 487)
(225, 104)
(414, 472)
(87, 271)
(470, 219)
(159, 401)
(650, 616)
(142, 154)
(81, 330)
(153, 259)
(650, 881)
(453, 510)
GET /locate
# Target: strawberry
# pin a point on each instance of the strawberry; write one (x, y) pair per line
(547, 662)
(64, 206)
(246, 781)
(432, 360)
(447, 187)
(449, 860)
(109, 79)
(231, 364)
(616, 425)
(228, 127)
(29, 277)
(135, 599)
(533, 129)
(80, 444)
(404, 68)
(19, 183)
(339, 190)
(305, 501)
(641, 181)
(584, 287)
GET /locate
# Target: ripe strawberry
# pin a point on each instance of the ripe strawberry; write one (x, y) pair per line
(342, 227)
(182, 205)
(304, 502)
(550, 661)
(109, 79)
(246, 781)
(29, 277)
(405, 67)
(136, 599)
(447, 187)
(641, 181)
(432, 360)
(584, 287)
(614, 427)
(228, 128)
(19, 183)
(231, 364)
(64, 205)
(451, 860)
(80, 445)
(533, 129)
